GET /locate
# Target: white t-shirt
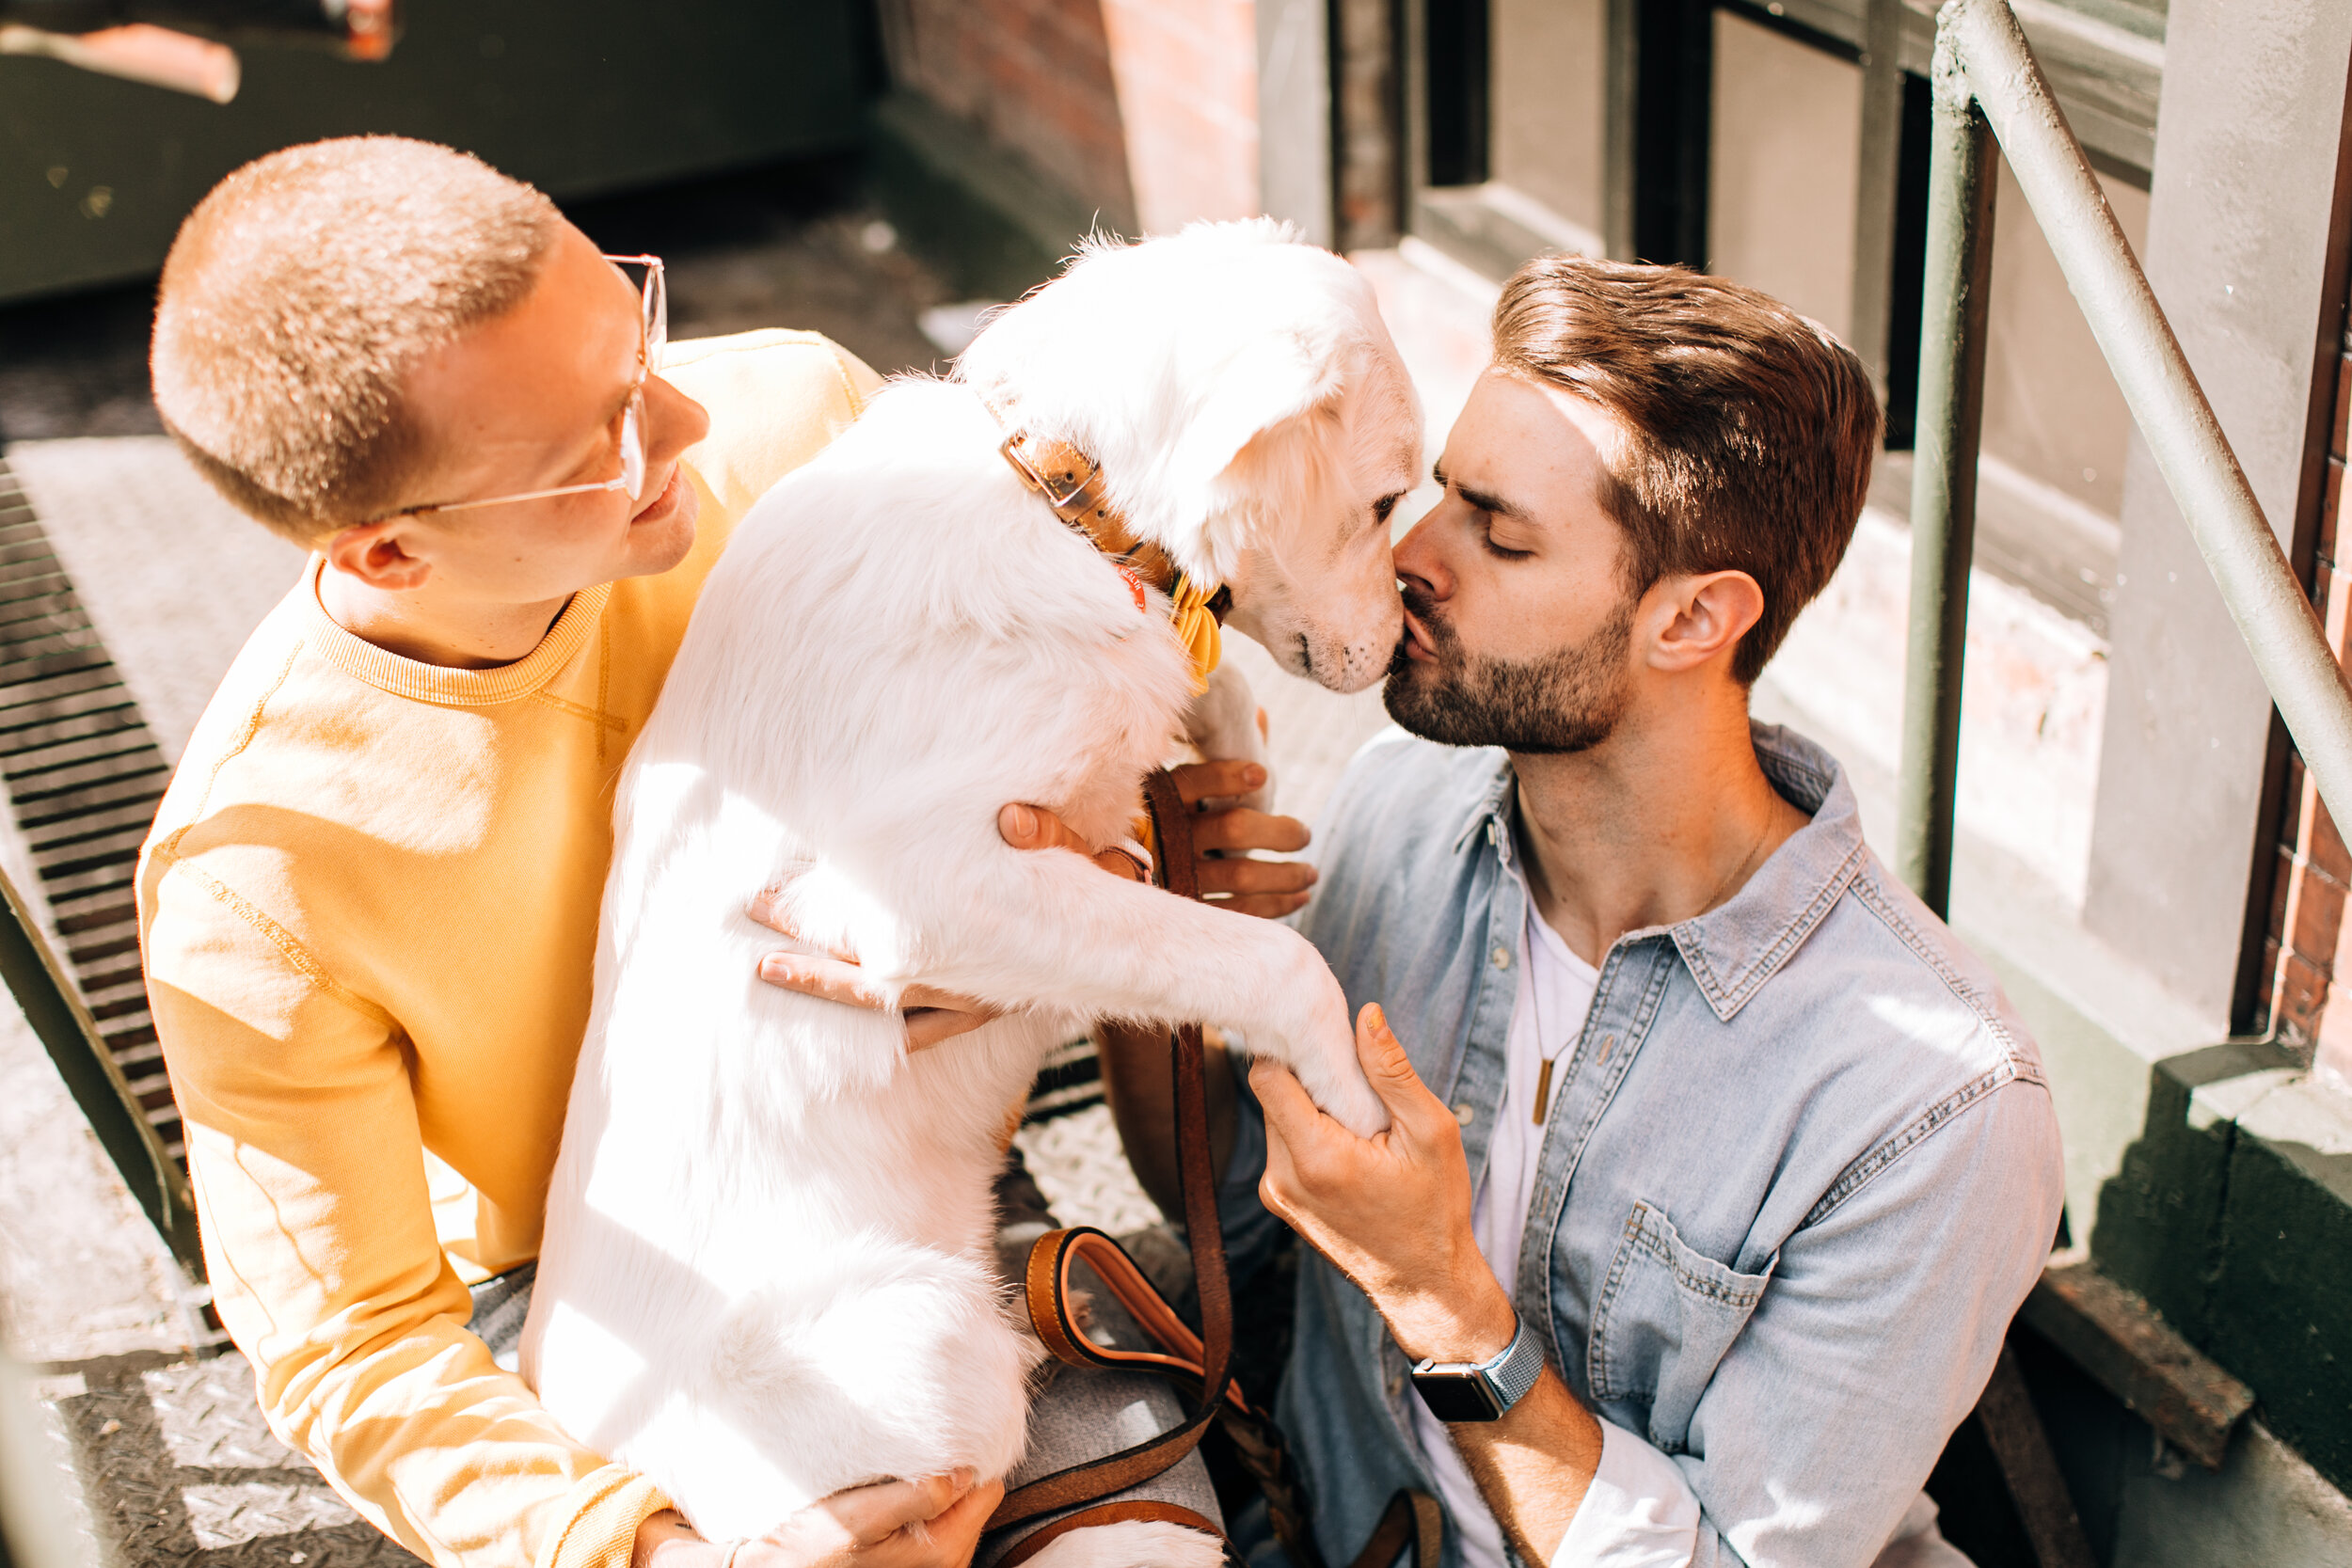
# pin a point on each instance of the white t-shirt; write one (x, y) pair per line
(1555, 992)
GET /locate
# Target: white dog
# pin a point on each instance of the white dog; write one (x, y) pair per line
(766, 1272)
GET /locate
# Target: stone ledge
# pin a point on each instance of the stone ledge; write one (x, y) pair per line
(2233, 1216)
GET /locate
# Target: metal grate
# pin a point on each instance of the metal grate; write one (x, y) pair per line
(84, 776)
(177, 1468)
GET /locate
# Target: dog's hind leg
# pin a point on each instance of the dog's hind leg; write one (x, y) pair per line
(1130, 1543)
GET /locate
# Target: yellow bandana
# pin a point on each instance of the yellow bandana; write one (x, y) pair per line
(1196, 628)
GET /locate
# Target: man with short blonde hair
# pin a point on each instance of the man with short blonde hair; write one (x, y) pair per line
(285, 321)
(368, 905)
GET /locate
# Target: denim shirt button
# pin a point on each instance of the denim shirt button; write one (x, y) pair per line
(1503, 958)
(1464, 1111)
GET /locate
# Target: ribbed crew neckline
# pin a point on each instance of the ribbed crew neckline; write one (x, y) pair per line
(433, 683)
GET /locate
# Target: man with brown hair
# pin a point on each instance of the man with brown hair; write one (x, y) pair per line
(1718, 1166)
(368, 906)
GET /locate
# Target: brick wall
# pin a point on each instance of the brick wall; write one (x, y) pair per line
(1187, 74)
(1145, 110)
(2309, 942)
(1370, 122)
(1034, 77)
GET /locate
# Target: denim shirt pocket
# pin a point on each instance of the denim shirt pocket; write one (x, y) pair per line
(1664, 1317)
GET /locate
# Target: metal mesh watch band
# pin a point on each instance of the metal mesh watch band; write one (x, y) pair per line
(1482, 1390)
(1515, 1372)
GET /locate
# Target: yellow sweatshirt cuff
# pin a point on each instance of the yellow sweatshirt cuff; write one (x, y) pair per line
(601, 1518)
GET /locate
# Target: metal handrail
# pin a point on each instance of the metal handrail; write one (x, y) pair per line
(1988, 85)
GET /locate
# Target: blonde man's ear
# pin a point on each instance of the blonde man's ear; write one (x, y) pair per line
(376, 554)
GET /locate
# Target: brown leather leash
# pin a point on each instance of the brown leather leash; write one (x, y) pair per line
(1200, 1364)
(1049, 1294)
(1411, 1519)
(1052, 1254)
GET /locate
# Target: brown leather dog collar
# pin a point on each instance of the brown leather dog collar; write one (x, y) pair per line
(1072, 484)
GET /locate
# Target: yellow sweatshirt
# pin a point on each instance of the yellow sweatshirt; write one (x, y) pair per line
(367, 910)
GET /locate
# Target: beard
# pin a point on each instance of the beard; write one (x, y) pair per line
(1567, 699)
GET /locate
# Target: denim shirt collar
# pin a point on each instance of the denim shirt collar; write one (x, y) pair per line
(1735, 948)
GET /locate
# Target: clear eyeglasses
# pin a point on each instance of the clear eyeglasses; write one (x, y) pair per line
(654, 303)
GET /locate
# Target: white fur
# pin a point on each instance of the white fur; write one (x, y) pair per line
(764, 1276)
(1136, 1541)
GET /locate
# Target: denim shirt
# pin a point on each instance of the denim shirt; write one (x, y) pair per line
(1798, 1173)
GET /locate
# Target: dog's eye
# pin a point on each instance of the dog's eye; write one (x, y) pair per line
(1382, 508)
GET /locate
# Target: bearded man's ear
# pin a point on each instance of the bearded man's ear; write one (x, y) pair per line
(1702, 616)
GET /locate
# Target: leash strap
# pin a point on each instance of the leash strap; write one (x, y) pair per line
(1049, 1294)
(1411, 1519)
(1201, 1363)
(1048, 1260)
(1257, 1442)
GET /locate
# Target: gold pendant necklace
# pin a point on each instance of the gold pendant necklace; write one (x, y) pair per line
(1530, 938)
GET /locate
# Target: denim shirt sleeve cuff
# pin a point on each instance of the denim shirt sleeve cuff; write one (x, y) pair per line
(1638, 1512)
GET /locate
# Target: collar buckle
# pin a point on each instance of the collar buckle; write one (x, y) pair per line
(1061, 497)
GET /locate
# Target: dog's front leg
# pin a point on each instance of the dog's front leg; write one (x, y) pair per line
(1060, 932)
(1223, 722)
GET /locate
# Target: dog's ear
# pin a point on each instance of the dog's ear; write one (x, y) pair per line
(1268, 379)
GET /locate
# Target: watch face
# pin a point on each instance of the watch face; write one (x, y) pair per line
(1458, 1396)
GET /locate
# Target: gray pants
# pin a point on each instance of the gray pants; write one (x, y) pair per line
(1088, 1413)
(1083, 1413)
(1077, 1414)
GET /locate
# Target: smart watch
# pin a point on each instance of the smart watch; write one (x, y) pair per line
(1481, 1390)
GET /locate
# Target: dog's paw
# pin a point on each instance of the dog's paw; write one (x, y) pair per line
(1350, 1102)
(1320, 1048)
(1340, 1091)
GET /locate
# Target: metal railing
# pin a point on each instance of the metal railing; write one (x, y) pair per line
(1987, 85)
